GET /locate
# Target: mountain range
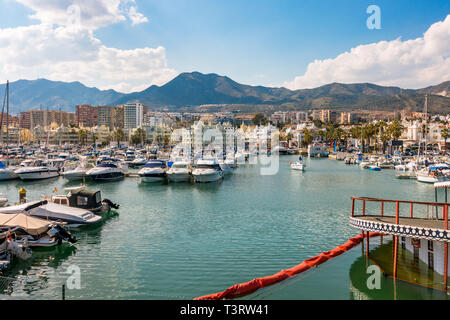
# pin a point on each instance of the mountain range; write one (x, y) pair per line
(188, 91)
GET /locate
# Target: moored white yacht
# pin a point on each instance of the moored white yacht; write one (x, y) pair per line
(405, 171)
(106, 171)
(207, 170)
(138, 162)
(298, 165)
(76, 171)
(433, 174)
(7, 173)
(37, 170)
(73, 217)
(179, 172)
(153, 171)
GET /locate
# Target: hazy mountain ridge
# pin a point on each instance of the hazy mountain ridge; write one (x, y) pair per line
(194, 89)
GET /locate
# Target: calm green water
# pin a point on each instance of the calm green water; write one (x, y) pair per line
(180, 241)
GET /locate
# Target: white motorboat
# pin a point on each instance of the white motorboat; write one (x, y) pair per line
(207, 170)
(37, 170)
(239, 157)
(226, 168)
(318, 150)
(75, 171)
(364, 164)
(106, 171)
(81, 197)
(32, 231)
(7, 173)
(405, 171)
(232, 163)
(179, 172)
(138, 162)
(433, 174)
(73, 217)
(153, 171)
(298, 165)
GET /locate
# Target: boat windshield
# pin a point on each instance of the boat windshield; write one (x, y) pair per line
(155, 165)
(107, 165)
(207, 166)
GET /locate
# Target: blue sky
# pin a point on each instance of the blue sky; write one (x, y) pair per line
(258, 42)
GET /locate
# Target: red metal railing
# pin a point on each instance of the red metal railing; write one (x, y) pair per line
(433, 205)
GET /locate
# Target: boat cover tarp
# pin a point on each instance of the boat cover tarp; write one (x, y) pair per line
(85, 199)
(243, 289)
(31, 225)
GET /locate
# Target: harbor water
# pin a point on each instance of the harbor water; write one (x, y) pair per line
(180, 241)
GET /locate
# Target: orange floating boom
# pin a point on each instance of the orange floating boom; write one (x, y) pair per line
(243, 289)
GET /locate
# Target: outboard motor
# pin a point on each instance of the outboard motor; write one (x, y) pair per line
(62, 234)
(108, 204)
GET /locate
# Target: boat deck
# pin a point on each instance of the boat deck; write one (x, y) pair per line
(431, 229)
(413, 222)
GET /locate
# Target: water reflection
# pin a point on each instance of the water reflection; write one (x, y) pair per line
(35, 273)
(412, 282)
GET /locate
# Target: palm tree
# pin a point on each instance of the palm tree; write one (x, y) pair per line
(444, 134)
(138, 136)
(82, 134)
(396, 129)
(307, 137)
(385, 138)
(356, 133)
(119, 135)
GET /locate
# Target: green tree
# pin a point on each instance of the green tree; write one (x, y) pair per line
(396, 129)
(118, 135)
(259, 119)
(138, 137)
(82, 134)
(444, 135)
(307, 137)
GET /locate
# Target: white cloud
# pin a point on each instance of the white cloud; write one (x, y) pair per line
(136, 17)
(90, 14)
(57, 49)
(409, 64)
(60, 53)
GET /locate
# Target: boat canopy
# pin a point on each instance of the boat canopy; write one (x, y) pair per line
(85, 199)
(31, 225)
(441, 167)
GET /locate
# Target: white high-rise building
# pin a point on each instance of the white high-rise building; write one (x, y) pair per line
(133, 115)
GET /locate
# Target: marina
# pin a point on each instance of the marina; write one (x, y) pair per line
(182, 240)
(224, 154)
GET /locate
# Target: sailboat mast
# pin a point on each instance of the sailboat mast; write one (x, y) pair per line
(7, 117)
(426, 122)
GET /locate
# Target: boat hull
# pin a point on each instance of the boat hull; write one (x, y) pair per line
(8, 174)
(74, 176)
(153, 177)
(426, 179)
(178, 177)
(110, 176)
(38, 175)
(205, 178)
